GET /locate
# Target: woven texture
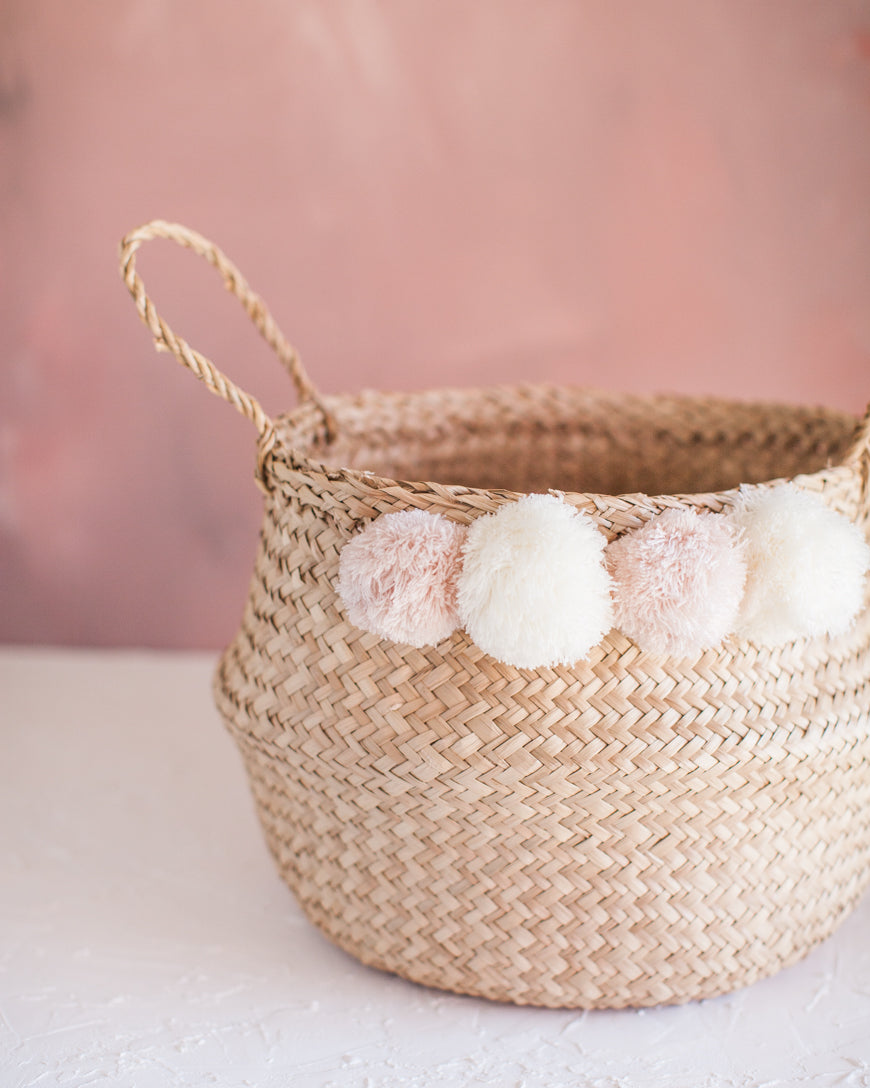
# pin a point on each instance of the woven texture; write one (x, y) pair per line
(630, 831)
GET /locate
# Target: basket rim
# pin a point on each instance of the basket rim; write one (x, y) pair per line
(299, 432)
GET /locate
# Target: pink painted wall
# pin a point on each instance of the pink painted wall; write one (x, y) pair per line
(669, 195)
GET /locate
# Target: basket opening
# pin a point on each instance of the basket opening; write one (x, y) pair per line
(573, 440)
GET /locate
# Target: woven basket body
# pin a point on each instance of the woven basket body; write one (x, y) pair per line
(632, 830)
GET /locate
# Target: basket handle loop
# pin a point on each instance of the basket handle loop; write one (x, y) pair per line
(858, 453)
(166, 340)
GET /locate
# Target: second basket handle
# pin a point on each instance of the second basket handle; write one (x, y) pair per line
(858, 454)
(166, 340)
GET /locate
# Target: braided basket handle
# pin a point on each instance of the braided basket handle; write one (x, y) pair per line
(858, 454)
(166, 340)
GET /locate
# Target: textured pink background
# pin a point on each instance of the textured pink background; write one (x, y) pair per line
(667, 195)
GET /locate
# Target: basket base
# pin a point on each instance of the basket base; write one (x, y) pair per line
(470, 929)
(527, 978)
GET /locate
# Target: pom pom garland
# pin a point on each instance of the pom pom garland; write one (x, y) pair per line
(534, 586)
(678, 582)
(806, 566)
(397, 578)
(533, 590)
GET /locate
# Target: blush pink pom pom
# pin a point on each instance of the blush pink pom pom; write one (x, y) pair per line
(678, 582)
(397, 578)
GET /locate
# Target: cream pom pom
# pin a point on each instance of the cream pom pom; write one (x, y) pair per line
(397, 578)
(806, 566)
(533, 589)
(678, 582)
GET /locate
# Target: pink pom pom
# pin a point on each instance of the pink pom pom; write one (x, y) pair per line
(397, 578)
(678, 582)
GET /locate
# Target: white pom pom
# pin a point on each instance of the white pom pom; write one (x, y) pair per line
(533, 591)
(805, 566)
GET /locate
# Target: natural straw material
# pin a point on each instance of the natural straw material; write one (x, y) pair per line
(630, 831)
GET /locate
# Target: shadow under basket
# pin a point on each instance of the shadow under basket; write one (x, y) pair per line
(632, 830)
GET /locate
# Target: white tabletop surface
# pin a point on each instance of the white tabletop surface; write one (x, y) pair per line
(145, 938)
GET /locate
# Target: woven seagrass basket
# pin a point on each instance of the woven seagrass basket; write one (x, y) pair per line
(629, 831)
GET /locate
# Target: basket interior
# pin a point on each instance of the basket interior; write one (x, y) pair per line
(574, 440)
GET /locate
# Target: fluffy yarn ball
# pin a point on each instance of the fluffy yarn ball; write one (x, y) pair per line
(806, 566)
(678, 582)
(397, 578)
(533, 590)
